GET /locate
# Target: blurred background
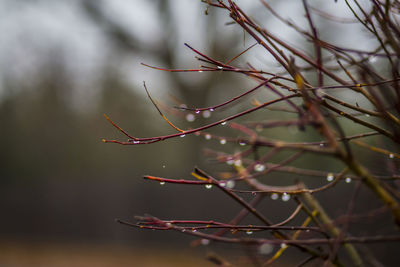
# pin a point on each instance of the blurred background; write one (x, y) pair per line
(63, 64)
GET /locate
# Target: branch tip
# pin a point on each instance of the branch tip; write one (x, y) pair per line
(158, 109)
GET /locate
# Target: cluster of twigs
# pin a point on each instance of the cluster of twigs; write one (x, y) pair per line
(316, 107)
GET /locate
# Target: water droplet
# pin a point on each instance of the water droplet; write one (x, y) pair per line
(183, 106)
(182, 135)
(183, 230)
(283, 245)
(206, 114)
(321, 144)
(205, 242)
(391, 155)
(223, 184)
(168, 224)
(207, 136)
(163, 166)
(197, 112)
(367, 115)
(220, 67)
(242, 143)
(348, 180)
(194, 230)
(223, 123)
(136, 142)
(162, 183)
(230, 184)
(222, 141)
(190, 117)
(238, 163)
(274, 196)
(200, 71)
(259, 167)
(265, 249)
(330, 177)
(230, 161)
(372, 59)
(285, 197)
(211, 109)
(208, 186)
(249, 232)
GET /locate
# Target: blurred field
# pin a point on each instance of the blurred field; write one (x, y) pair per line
(79, 255)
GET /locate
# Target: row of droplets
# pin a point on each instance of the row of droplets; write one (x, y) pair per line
(330, 177)
(190, 117)
(238, 162)
(231, 184)
(263, 249)
(222, 140)
(219, 67)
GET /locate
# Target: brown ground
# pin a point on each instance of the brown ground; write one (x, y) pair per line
(18, 254)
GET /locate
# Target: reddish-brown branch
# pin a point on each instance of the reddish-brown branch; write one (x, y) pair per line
(148, 140)
(259, 241)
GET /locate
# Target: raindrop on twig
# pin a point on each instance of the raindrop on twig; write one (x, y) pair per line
(206, 114)
(230, 184)
(285, 197)
(238, 162)
(205, 242)
(190, 117)
(230, 161)
(259, 167)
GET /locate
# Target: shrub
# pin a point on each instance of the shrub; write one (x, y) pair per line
(311, 96)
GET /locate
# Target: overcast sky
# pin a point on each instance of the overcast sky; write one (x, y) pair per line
(33, 29)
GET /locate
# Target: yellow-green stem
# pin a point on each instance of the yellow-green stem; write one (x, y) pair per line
(333, 230)
(374, 185)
